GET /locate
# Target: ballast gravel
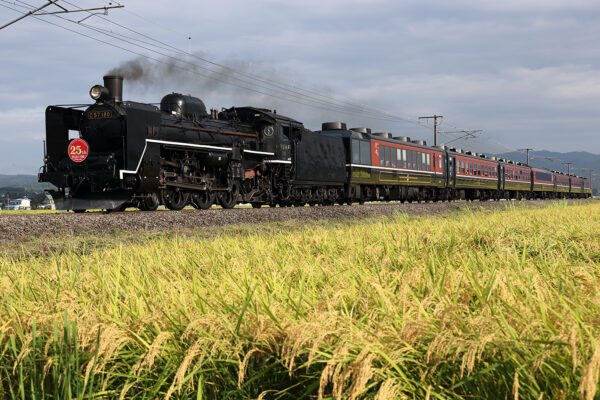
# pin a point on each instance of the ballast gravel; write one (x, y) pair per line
(21, 226)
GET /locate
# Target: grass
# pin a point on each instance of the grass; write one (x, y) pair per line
(19, 212)
(474, 305)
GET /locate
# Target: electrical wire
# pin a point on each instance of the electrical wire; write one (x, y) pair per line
(279, 85)
(331, 107)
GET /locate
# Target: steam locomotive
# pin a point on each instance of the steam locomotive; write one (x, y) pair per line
(116, 154)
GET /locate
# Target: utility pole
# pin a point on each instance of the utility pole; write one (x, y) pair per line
(527, 150)
(568, 164)
(435, 125)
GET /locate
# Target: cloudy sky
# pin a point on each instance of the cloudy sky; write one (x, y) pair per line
(526, 72)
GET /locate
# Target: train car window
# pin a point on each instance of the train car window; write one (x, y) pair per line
(365, 153)
(423, 161)
(404, 162)
(355, 151)
(428, 161)
(399, 157)
(419, 160)
(542, 176)
(393, 157)
(381, 156)
(388, 157)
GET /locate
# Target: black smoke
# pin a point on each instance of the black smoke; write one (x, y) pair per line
(259, 84)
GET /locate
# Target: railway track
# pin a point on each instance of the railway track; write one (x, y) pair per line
(21, 226)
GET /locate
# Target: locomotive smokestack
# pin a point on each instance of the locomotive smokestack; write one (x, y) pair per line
(114, 84)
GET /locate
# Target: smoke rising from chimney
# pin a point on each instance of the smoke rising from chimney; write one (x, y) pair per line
(221, 84)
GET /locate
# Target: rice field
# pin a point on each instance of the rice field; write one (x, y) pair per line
(474, 304)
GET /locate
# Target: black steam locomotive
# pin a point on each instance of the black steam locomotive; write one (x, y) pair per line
(117, 154)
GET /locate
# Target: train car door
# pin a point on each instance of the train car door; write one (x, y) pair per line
(451, 171)
(498, 177)
(501, 176)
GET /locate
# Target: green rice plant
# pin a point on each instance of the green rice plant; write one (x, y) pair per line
(479, 304)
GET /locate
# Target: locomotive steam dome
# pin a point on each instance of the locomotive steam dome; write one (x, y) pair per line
(183, 106)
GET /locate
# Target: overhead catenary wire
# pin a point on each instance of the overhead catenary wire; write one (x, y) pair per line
(329, 107)
(284, 91)
(291, 90)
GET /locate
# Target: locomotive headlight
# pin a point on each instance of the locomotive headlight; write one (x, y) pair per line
(98, 92)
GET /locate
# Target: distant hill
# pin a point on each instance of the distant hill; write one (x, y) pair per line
(581, 161)
(22, 183)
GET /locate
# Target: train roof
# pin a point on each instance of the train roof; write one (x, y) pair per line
(412, 143)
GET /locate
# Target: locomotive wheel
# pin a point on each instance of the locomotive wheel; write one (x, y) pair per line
(228, 199)
(175, 200)
(203, 200)
(149, 203)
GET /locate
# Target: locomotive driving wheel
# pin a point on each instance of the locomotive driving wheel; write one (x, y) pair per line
(228, 199)
(175, 199)
(203, 200)
(149, 203)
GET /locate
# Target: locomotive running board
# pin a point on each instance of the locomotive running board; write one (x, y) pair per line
(181, 144)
